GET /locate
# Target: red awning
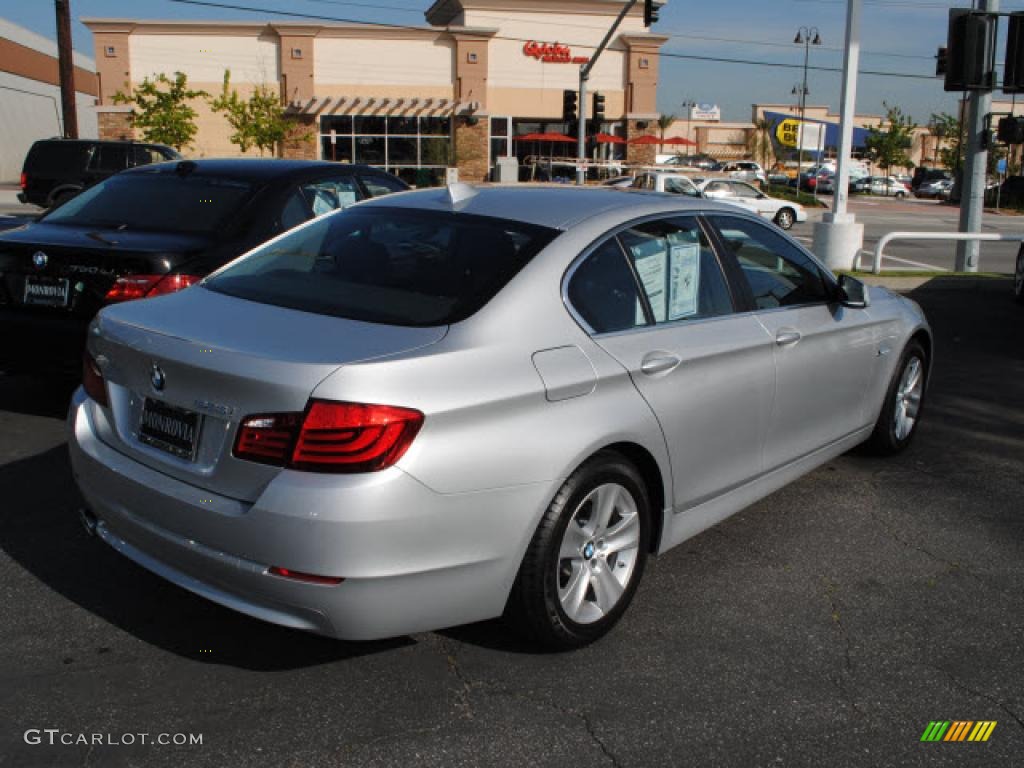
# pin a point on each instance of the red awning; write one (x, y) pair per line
(607, 138)
(645, 140)
(679, 141)
(554, 137)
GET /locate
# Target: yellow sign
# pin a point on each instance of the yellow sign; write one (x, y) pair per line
(787, 132)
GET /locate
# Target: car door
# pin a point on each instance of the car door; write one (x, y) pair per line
(655, 297)
(749, 197)
(825, 353)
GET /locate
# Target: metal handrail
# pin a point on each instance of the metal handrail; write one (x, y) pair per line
(876, 265)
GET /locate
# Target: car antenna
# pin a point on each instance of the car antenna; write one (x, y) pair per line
(460, 192)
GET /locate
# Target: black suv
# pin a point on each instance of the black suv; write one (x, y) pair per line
(56, 170)
(150, 231)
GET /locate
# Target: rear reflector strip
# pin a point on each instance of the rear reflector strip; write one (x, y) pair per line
(309, 578)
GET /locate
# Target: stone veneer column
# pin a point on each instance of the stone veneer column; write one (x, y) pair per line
(471, 147)
(641, 154)
(296, 51)
(300, 142)
(115, 122)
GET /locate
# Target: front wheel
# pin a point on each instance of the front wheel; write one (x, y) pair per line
(1018, 276)
(904, 400)
(586, 557)
(785, 218)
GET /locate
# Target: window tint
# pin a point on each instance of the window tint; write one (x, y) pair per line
(778, 273)
(678, 270)
(603, 291)
(164, 202)
(382, 185)
(745, 190)
(395, 266)
(110, 158)
(141, 155)
(681, 186)
(58, 159)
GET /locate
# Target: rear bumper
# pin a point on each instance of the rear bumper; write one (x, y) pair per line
(40, 341)
(22, 198)
(412, 560)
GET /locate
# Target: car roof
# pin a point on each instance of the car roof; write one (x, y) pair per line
(556, 206)
(126, 142)
(248, 168)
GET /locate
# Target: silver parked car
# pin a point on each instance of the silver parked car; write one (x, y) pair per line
(443, 406)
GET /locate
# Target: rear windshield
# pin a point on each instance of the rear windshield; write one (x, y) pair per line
(387, 265)
(160, 202)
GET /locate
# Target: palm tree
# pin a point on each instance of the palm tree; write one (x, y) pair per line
(664, 123)
(760, 143)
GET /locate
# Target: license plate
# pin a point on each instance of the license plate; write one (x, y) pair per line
(45, 291)
(170, 429)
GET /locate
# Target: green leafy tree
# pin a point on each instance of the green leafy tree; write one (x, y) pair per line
(258, 121)
(161, 109)
(889, 146)
(947, 131)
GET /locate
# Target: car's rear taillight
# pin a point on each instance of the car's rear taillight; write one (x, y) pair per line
(92, 380)
(131, 287)
(330, 437)
(24, 181)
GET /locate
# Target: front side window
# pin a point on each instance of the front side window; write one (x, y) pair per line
(111, 158)
(387, 265)
(745, 191)
(779, 274)
(681, 186)
(678, 270)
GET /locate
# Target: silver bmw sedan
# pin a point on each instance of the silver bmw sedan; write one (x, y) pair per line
(448, 405)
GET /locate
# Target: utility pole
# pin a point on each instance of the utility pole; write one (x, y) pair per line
(972, 196)
(581, 144)
(66, 62)
(803, 37)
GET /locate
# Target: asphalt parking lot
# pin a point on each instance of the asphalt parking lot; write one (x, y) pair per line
(826, 625)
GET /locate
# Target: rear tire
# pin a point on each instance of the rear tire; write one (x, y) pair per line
(586, 558)
(903, 405)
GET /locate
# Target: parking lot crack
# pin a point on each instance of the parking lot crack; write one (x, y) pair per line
(975, 692)
(841, 679)
(465, 684)
(591, 731)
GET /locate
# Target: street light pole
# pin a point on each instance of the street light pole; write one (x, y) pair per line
(687, 106)
(807, 36)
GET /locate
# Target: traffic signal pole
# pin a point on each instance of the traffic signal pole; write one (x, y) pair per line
(585, 69)
(972, 195)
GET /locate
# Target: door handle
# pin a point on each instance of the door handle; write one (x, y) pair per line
(659, 363)
(787, 337)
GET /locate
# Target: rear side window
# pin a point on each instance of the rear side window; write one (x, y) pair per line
(378, 186)
(388, 265)
(603, 291)
(110, 158)
(151, 201)
(57, 159)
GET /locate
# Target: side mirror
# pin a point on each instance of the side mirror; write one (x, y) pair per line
(853, 293)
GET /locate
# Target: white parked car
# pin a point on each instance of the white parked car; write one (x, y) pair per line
(888, 186)
(783, 212)
(661, 181)
(745, 170)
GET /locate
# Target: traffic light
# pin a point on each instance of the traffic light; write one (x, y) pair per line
(1011, 130)
(570, 100)
(941, 62)
(1013, 71)
(650, 13)
(598, 107)
(971, 50)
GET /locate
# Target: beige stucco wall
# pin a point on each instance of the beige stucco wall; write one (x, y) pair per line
(204, 58)
(535, 102)
(383, 62)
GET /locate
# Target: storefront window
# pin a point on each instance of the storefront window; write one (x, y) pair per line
(417, 149)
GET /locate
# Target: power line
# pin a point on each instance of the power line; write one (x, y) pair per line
(666, 54)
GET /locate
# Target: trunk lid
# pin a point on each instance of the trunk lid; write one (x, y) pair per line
(223, 358)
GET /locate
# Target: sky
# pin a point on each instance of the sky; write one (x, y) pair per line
(898, 37)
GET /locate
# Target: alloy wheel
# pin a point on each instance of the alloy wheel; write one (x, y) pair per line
(598, 553)
(908, 398)
(785, 219)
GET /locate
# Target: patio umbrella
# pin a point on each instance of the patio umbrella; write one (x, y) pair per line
(607, 138)
(645, 140)
(679, 141)
(552, 137)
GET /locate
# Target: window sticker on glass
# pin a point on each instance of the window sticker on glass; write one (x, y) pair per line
(684, 280)
(651, 263)
(346, 197)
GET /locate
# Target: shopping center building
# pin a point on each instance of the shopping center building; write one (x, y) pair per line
(413, 99)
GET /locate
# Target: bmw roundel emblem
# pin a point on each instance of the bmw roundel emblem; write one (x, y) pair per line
(39, 259)
(157, 378)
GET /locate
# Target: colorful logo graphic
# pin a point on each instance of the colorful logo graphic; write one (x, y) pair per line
(958, 730)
